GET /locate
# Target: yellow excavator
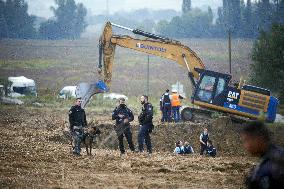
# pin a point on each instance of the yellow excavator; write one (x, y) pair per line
(211, 89)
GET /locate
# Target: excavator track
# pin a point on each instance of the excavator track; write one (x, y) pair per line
(198, 115)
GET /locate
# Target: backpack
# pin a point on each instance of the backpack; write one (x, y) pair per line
(166, 99)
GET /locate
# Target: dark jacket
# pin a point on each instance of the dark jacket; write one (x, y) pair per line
(188, 149)
(146, 116)
(165, 100)
(211, 151)
(77, 117)
(126, 112)
(270, 172)
(204, 138)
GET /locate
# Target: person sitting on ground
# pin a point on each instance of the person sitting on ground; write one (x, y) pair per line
(187, 148)
(179, 148)
(210, 150)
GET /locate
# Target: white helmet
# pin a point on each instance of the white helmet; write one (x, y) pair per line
(174, 90)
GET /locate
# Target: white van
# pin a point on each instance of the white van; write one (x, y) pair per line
(22, 86)
(114, 96)
(67, 92)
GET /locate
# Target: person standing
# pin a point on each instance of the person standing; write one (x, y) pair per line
(77, 120)
(176, 104)
(165, 106)
(146, 125)
(269, 173)
(203, 138)
(123, 116)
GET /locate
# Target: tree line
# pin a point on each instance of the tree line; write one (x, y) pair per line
(267, 69)
(242, 19)
(68, 21)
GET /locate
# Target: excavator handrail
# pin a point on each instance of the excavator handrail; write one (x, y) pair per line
(142, 33)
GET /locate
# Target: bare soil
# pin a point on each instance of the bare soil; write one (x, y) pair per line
(34, 153)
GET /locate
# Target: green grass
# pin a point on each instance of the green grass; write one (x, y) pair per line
(33, 64)
(96, 104)
(215, 56)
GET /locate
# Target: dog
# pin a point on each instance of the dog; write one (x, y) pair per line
(88, 138)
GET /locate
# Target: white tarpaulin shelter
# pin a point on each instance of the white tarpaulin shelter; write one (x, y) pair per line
(22, 85)
(67, 92)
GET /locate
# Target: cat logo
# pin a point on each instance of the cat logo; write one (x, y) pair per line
(233, 95)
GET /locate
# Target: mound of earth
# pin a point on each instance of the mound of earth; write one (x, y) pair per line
(36, 154)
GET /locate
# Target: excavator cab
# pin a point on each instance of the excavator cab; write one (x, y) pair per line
(213, 91)
(211, 87)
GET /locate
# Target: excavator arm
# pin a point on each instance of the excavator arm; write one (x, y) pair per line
(153, 44)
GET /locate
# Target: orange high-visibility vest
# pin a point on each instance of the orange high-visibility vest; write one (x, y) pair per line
(175, 100)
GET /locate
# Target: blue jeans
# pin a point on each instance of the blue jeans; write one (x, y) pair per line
(144, 135)
(176, 114)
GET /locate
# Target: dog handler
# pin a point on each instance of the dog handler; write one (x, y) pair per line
(78, 122)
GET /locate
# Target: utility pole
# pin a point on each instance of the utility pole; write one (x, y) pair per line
(107, 9)
(230, 51)
(148, 74)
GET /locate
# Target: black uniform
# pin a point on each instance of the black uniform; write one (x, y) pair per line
(146, 127)
(270, 172)
(123, 128)
(166, 108)
(77, 119)
(211, 151)
(204, 138)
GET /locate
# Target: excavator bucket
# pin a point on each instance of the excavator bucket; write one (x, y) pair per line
(87, 90)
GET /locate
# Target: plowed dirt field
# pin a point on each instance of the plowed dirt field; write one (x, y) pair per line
(34, 153)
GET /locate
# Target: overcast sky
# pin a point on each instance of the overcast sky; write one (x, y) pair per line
(42, 7)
